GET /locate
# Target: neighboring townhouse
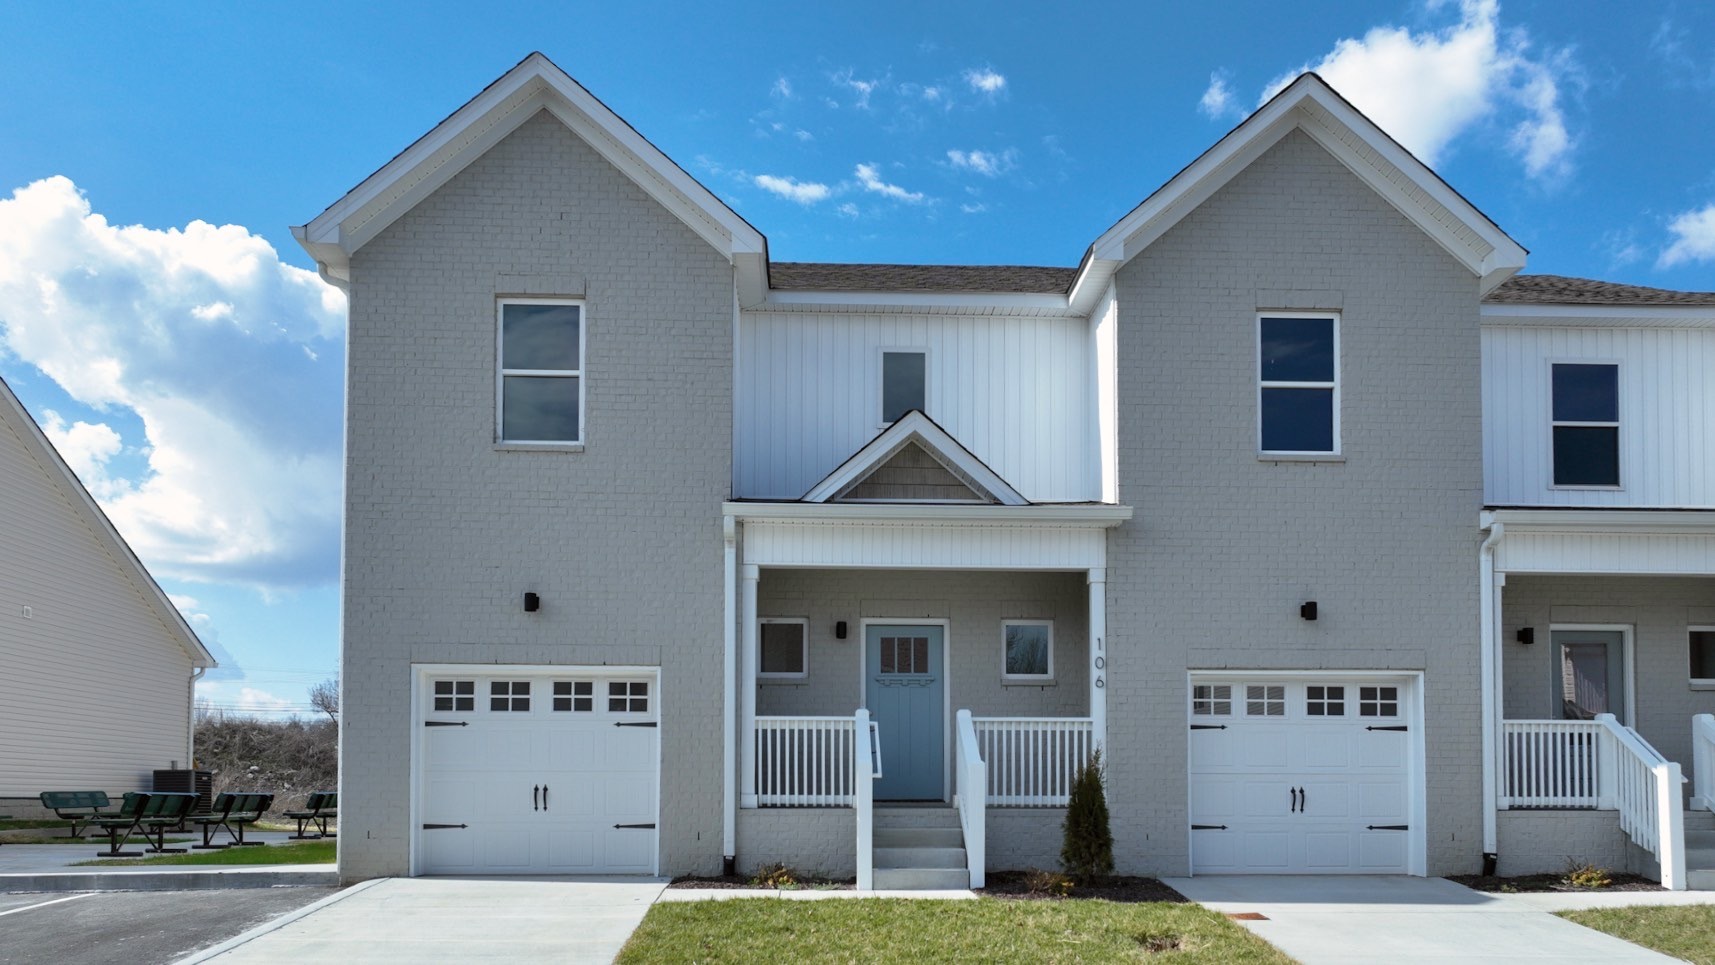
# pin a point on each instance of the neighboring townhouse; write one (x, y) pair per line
(98, 665)
(662, 557)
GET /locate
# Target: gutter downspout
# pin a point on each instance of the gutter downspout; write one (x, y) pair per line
(729, 708)
(1488, 636)
(191, 720)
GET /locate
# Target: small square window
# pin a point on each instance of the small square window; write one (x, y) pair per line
(454, 696)
(576, 696)
(628, 696)
(904, 384)
(1702, 645)
(1265, 701)
(1212, 700)
(509, 695)
(1027, 650)
(785, 648)
(1325, 701)
(1378, 701)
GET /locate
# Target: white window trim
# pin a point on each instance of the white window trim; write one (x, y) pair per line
(881, 355)
(803, 642)
(1619, 431)
(501, 372)
(1261, 384)
(1027, 678)
(1697, 683)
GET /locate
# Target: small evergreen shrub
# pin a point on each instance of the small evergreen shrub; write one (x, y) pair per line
(1087, 850)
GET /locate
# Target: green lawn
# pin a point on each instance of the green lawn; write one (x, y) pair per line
(316, 852)
(1683, 931)
(15, 824)
(922, 931)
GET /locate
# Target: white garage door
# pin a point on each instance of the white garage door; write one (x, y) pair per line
(1301, 775)
(535, 773)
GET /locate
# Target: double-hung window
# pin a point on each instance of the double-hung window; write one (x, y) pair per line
(541, 380)
(1298, 367)
(1586, 424)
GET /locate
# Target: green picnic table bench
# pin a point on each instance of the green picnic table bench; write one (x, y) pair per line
(232, 812)
(146, 813)
(318, 808)
(78, 807)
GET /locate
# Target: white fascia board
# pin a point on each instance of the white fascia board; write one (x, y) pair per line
(916, 426)
(81, 502)
(1078, 516)
(1601, 316)
(1687, 522)
(1011, 303)
(1093, 282)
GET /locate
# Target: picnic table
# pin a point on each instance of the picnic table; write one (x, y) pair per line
(148, 813)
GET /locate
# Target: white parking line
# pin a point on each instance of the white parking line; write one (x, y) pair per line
(45, 904)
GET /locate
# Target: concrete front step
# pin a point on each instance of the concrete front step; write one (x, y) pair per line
(919, 838)
(1699, 821)
(919, 857)
(915, 817)
(1701, 879)
(922, 879)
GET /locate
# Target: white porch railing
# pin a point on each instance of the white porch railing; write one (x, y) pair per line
(866, 770)
(1032, 761)
(1703, 762)
(1551, 764)
(806, 761)
(1646, 792)
(970, 796)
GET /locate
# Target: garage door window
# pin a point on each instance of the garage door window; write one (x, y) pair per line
(453, 696)
(509, 695)
(628, 696)
(1378, 701)
(1265, 700)
(1212, 700)
(574, 696)
(1325, 701)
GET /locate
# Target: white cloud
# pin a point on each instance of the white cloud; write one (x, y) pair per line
(247, 700)
(1427, 88)
(868, 176)
(973, 208)
(933, 93)
(792, 189)
(985, 163)
(985, 80)
(230, 359)
(1693, 238)
(803, 135)
(862, 88)
(1217, 100)
(782, 88)
(848, 210)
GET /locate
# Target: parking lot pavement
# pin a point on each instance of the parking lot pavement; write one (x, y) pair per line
(133, 928)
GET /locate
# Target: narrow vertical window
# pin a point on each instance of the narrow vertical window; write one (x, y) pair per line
(1586, 425)
(904, 384)
(541, 372)
(1298, 384)
(1702, 646)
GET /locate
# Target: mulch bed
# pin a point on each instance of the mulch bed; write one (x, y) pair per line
(740, 881)
(1037, 886)
(1619, 881)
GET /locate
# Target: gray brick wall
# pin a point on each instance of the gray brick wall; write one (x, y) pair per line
(815, 841)
(1225, 546)
(444, 533)
(1659, 609)
(1548, 842)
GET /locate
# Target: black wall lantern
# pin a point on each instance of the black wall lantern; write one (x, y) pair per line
(840, 630)
(1526, 635)
(532, 603)
(1308, 610)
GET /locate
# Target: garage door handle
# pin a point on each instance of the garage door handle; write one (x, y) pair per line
(544, 797)
(446, 723)
(650, 827)
(1208, 827)
(443, 827)
(535, 801)
(640, 723)
(1208, 726)
(1394, 727)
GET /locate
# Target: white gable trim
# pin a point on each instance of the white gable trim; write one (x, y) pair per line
(78, 498)
(914, 426)
(536, 84)
(1310, 105)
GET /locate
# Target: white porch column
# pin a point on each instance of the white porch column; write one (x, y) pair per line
(729, 689)
(749, 574)
(1098, 577)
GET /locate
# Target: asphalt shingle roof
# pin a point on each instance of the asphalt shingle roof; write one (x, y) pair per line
(1562, 290)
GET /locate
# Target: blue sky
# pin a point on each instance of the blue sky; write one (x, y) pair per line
(156, 316)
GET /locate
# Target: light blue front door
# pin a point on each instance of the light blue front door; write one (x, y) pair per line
(902, 688)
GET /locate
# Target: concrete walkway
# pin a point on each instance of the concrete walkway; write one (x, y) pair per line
(1350, 919)
(453, 920)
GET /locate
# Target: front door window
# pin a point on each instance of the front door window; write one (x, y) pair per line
(1589, 670)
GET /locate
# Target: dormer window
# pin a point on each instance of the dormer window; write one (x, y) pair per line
(904, 383)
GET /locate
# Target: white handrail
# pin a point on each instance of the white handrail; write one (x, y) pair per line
(1032, 761)
(970, 796)
(1644, 788)
(1703, 762)
(866, 768)
(805, 761)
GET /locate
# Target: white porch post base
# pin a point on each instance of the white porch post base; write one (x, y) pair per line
(749, 574)
(1098, 578)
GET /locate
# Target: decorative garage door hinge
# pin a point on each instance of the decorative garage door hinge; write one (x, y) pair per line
(627, 723)
(1392, 727)
(1208, 726)
(650, 827)
(443, 827)
(1208, 827)
(1389, 827)
(446, 723)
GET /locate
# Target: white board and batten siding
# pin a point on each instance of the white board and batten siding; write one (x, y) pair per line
(95, 688)
(1667, 414)
(1016, 390)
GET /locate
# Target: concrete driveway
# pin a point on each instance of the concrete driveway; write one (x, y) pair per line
(1360, 918)
(454, 920)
